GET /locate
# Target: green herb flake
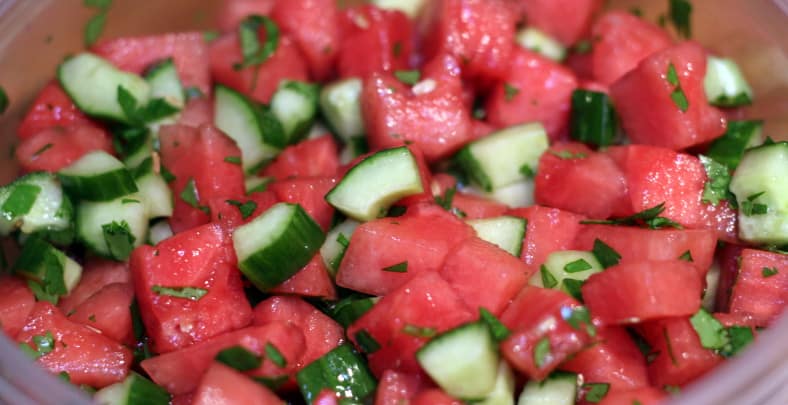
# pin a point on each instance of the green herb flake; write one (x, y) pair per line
(239, 358)
(767, 272)
(119, 239)
(636, 11)
(42, 150)
(579, 318)
(750, 208)
(566, 155)
(606, 255)
(397, 268)
(130, 201)
(366, 342)
(189, 293)
(92, 318)
(273, 354)
(527, 171)
(686, 256)
(680, 12)
(672, 389)
(446, 199)
(409, 77)
(20, 200)
(236, 160)
(44, 343)
(418, 331)
(64, 376)
(253, 52)
(542, 352)
(510, 91)
(672, 76)
(190, 196)
(33, 354)
(680, 99)
(669, 346)
(719, 178)
(210, 35)
(247, 209)
(94, 28)
(100, 4)
(648, 217)
(577, 266)
(139, 116)
(498, 330)
(3, 100)
(396, 49)
(166, 174)
(343, 240)
(573, 287)
(739, 337)
(710, 331)
(548, 280)
(583, 47)
(595, 392)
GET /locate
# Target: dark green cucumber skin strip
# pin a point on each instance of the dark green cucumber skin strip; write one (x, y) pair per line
(20, 200)
(144, 392)
(471, 167)
(272, 265)
(346, 312)
(593, 120)
(729, 148)
(101, 187)
(342, 370)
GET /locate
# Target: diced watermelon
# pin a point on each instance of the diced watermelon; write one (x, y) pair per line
(314, 26)
(432, 116)
(384, 37)
(555, 18)
(663, 289)
(108, 311)
(16, 302)
(476, 32)
(475, 207)
(309, 193)
(96, 273)
(224, 385)
(534, 89)
(228, 212)
(549, 229)
(179, 372)
(591, 184)
(475, 263)
(258, 82)
(527, 316)
(309, 158)
(187, 50)
(658, 175)
(761, 288)
(311, 281)
(480, 129)
(434, 396)
(195, 156)
(421, 240)
(426, 301)
(642, 396)
(647, 102)
(86, 355)
(321, 333)
(620, 41)
(51, 108)
(679, 357)
(197, 112)
(634, 244)
(202, 258)
(728, 259)
(614, 360)
(55, 148)
(727, 320)
(395, 388)
(721, 218)
(232, 12)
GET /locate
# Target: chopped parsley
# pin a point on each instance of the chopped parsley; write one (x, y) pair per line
(573, 286)
(713, 335)
(239, 358)
(595, 392)
(366, 342)
(418, 331)
(548, 280)
(677, 94)
(719, 178)
(236, 160)
(579, 318)
(409, 77)
(577, 266)
(686, 256)
(273, 354)
(246, 208)
(190, 196)
(119, 239)
(767, 272)
(137, 115)
(648, 217)
(680, 12)
(396, 49)
(254, 53)
(510, 91)
(606, 255)
(189, 293)
(527, 171)
(397, 268)
(95, 25)
(750, 208)
(343, 240)
(446, 199)
(498, 330)
(3, 100)
(542, 352)
(43, 344)
(565, 154)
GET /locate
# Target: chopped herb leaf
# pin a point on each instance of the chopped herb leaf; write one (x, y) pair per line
(63, 376)
(573, 287)
(190, 196)
(636, 11)
(119, 239)
(366, 342)
(273, 383)
(577, 266)
(396, 49)
(510, 91)
(769, 271)
(138, 116)
(527, 171)
(738, 338)
(670, 347)
(94, 28)
(3, 100)
(686, 256)
(343, 240)
(672, 389)
(565, 154)
(680, 99)
(247, 208)
(648, 217)
(210, 35)
(719, 177)
(20, 200)
(606, 255)
(397, 268)
(576, 317)
(190, 293)
(102, 4)
(273, 354)
(29, 351)
(595, 392)
(680, 12)
(166, 174)
(42, 150)
(44, 343)
(233, 159)
(409, 77)
(417, 331)
(446, 199)
(542, 352)
(548, 280)
(749, 207)
(729, 148)
(672, 76)
(92, 318)
(583, 47)
(253, 52)
(710, 330)
(498, 330)
(239, 358)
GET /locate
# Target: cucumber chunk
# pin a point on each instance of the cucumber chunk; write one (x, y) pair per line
(518, 194)
(506, 232)
(540, 42)
(341, 370)
(166, 84)
(159, 231)
(156, 195)
(724, 83)
(336, 243)
(463, 361)
(276, 244)
(54, 273)
(566, 270)
(409, 7)
(97, 176)
(294, 104)
(503, 390)
(93, 82)
(112, 229)
(371, 186)
(340, 103)
(559, 388)
(504, 157)
(134, 390)
(761, 188)
(35, 203)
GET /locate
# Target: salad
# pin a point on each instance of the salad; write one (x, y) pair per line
(397, 202)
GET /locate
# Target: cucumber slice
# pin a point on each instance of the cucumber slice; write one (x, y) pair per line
(50, 269)
(155, 195)
(354, 147)
(566, 270)
(159, 231)
(519, 194)
(97, 176)
(93, 82)
(371, 186)
(740, 136)
(134, 390)
(254, 184)
(35, 203)
(337, 240)
(295, 106)
(463, 361)
(506, 232)
(340, 103)
(540, 42)
(503, 157)
(409, 7)
(276, 244)
(165, 83)
(503, 390)
(724, 83)
(559, 388)
(112, 229)
(761, 188)
(241, 120)
(341, 370)
(135, 155)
